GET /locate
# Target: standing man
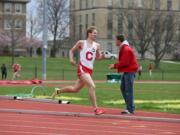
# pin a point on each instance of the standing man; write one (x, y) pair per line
(89, 51)
(127, 64)
(4, 71)
(16, 68)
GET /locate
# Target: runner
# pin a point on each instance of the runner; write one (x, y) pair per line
(89, 51)
(16, 68)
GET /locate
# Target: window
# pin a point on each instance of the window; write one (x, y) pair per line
(86, 21)
(8, 8)
(7, 24)
(109, 47)
(157, 4)
(74, 5)
(169, 4)
(80, 31)
(18, 24)
(110, 3)
(87, 3)
(130, 25)
(18, 8)
(109, 25)
(80, 4)
(140, 3)
(130, 21)
(120, 24)
(121, 3)
(93, 19)
(93, 3)
(80, 19)
(130, 3)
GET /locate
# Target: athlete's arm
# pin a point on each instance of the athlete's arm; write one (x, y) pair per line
(77, 46)
(99, 55)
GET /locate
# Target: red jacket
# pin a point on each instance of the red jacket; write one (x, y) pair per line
(127, 60)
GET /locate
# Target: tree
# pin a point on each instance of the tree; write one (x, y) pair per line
(31, 43)
(58, 21)
(164, 32)
(138, 24)
(151, 31)
(142, 34)
(33, 32)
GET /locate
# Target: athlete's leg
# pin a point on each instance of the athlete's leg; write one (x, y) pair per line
(91, 88)
(17, 74)
(14, 75)
(69, 89)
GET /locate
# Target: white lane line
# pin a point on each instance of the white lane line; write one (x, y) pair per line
(40, 117)
(75, 114)
(74, 119)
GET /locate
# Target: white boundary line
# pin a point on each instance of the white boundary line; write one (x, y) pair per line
(34, 99)
(76, 114)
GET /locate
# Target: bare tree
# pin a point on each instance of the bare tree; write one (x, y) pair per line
(164, 31)
(138, 24)
(151, 31)
(33, 31)
(142, 33)
(58, 21)
(34, 28)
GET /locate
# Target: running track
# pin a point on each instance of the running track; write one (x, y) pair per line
(35, 118)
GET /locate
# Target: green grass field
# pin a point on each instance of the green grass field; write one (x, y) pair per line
(149, 97)
(152, 97)
(59, 68)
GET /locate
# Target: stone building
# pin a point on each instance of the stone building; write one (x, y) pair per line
(13, 17)
(106, 16)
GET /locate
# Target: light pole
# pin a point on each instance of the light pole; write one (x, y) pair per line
(45, 30)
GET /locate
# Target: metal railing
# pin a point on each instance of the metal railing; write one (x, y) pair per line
(71, 74)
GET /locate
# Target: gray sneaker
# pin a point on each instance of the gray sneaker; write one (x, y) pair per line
(126, 112)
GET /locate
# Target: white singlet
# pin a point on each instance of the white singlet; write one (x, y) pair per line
(88, 55)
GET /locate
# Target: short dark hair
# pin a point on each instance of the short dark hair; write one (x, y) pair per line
(120, 37)
(90, 30)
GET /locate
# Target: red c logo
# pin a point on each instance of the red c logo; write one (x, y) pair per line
(89, 56)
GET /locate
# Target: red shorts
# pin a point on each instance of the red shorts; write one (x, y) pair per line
(15, 71)
(83, 69)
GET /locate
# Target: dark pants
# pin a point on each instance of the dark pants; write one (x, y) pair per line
(4, 75)
(127, 82)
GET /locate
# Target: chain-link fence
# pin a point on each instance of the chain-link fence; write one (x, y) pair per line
(69, 74)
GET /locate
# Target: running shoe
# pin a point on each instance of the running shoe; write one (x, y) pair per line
(98, 111)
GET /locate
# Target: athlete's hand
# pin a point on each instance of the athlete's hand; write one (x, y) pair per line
(111, 66)
(73, 63)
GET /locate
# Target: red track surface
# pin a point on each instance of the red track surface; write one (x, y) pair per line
(36, 124)
(14, 123)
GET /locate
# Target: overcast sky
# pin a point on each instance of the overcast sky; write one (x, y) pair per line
(31, 6)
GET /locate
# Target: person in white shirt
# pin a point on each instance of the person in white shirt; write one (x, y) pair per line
(89, 51)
